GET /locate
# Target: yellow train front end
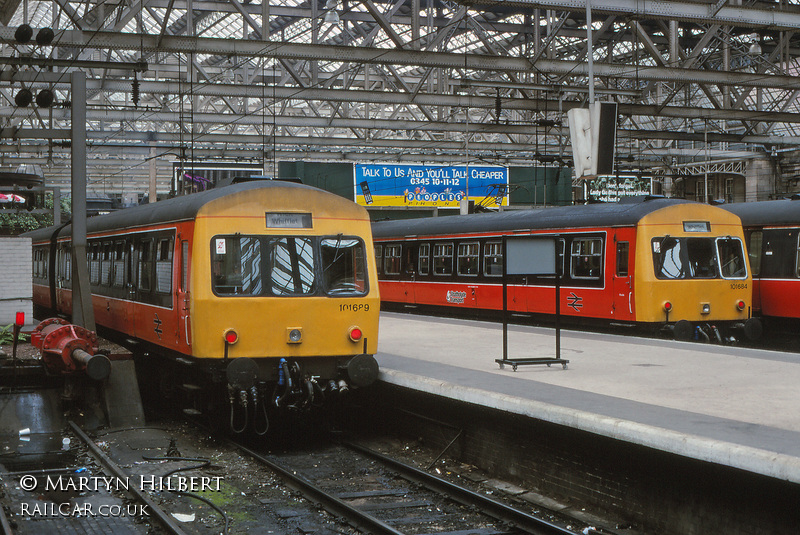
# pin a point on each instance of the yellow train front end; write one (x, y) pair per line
(284, 295)
(692, 274)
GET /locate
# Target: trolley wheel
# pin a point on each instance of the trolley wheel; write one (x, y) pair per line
(514, 366)
(548, 364)
(565, 365)
(501, 365)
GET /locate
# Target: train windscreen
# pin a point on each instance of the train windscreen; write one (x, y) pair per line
(288, 266)
(698, 258)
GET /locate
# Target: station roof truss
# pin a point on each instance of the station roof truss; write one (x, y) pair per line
(426, 81)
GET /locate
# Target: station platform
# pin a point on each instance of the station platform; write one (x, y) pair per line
(728, 405)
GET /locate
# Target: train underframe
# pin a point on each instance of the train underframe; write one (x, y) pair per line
(245, 395)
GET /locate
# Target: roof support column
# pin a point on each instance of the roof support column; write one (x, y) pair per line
(82, 313)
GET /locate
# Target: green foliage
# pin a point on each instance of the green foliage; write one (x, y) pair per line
(7, 335)
(14, 222)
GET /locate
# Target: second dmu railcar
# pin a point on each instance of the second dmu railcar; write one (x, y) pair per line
(262, 295)
(772, 232)
(651, 262)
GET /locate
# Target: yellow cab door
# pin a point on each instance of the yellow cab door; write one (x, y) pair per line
(621, 282)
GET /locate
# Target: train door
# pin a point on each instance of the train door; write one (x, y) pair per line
(130, 283)
(409, 271)
(182, 293)
(621, 284)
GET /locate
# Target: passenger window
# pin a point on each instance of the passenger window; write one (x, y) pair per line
(343, 267)
(586, 257)
(164, 266)
(67, 256)
(424, 259)
(443, 259)
(184, 265)
(468, 259)
(94, 264)
(623, 248)
(236, 265)
(754, 247)
(379, 258)
(797, 258)
(493, 259)
(391, 261)
(291, 265)
(145, 265)
(119, 264)
(105, 266)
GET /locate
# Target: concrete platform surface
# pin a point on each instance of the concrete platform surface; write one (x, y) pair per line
(734, 406)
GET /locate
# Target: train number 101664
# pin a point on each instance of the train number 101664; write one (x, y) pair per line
(354, 307)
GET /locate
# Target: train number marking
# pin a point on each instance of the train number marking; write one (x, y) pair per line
(158, 323)
(575, 302)
(738, 286)
(354, 307)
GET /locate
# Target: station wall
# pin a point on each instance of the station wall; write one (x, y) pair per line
(16, 288)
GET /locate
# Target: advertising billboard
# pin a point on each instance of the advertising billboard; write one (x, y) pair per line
(428, 185)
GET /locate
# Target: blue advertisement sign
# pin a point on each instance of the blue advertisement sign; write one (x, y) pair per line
(427, 185)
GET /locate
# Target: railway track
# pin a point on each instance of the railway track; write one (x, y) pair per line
(343, 488)
(382, 496)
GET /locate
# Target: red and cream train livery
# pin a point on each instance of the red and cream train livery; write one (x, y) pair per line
(651, 262)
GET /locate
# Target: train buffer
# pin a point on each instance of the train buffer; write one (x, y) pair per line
(527, 362)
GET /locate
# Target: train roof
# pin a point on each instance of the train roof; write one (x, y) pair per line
(180, 208)
(581, 216)
(779, 212)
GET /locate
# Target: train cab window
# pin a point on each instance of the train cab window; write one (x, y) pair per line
(105, 265)
(623, 250)
(443, 259)
(391, 260)
(379, 258)
(164, 266)
(586, 255)
(754, 247)
(685, 258)
(145, 254)
(424, 258)
(343, 266)
(236, 265)
(468, 259)
(119, 264)
(493, 259)
(292, 266)
(731, 258)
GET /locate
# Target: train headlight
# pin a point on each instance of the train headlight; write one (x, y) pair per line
(231, 337)
(740, 304)
(706, 308)
(355, 334)
(294, 335)
(668, 306)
